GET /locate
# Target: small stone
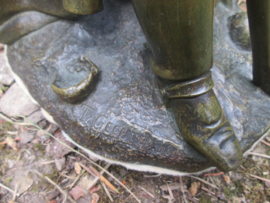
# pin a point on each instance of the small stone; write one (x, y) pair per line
(31, 159)
(6, 76)
(26, 137)
(35, 117)
(48, 149)
(15, 102)
(85, 181)
(40, 133)
(58, 150)
(76, 192)
(11, 163)
(60, 164)
(267, 184)
(24, 184)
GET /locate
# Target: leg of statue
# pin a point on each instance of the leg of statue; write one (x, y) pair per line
(83, 7)
(180, 36)
(259, 23)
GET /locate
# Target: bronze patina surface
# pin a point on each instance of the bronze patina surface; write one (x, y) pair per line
(83, 7)
(259, 20)
(18, 18)
(73, 91)
(180, 37)
(239, 30)
(124, 118)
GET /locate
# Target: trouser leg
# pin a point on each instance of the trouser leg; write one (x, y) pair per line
(83, 7)
(259, 23)
(180, 36)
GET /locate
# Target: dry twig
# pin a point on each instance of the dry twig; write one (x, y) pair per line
(64, 193)
(147, 192)
(106, 191)
(104, 179)
(88, 170)
(265, 142)
(182, 189)
(205, 189)
(14, 122)
(214, 174)
(205, 182)
(170, 197)
(94, 172)
(97, 178)
(77, 178)
(260, 155)
(152, 176)
(8, 189)
(173, 186)
(15, 193)
(47, 162)
(260, 178)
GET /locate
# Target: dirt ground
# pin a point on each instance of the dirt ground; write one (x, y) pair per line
(24, 168)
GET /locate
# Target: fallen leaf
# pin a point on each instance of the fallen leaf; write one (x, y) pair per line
(11, 142)
(76, 192)
(194, 188)
(78, 168)
(227, 179)
(95, 189)
(95, 197)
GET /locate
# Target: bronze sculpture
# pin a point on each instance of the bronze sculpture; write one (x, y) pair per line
(182, 55)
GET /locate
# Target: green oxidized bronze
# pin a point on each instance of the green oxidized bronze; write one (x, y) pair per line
(239, 30)
(118, 115)
(78, 92)
(83, 7)
(178, 32)
(180, 36)
(18, 18)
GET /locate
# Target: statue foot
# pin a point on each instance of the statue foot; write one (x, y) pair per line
(203, 124)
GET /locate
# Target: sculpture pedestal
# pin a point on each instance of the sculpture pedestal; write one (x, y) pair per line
(124, 120)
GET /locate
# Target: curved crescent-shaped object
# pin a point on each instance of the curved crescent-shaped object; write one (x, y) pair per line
(78, 92)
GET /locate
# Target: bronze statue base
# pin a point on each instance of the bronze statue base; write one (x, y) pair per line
(125, 120)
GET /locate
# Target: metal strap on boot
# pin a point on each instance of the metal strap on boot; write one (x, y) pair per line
(187, 89)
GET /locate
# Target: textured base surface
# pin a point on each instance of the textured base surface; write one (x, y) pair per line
(125, 119)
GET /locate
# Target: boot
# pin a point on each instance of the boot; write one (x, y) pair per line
(202, 122)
